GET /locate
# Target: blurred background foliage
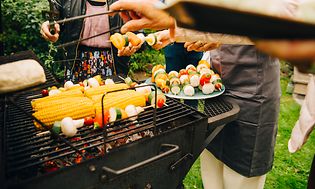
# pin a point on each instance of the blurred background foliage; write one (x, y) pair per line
(21, 20)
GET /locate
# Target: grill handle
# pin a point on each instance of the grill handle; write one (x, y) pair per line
(174, 148)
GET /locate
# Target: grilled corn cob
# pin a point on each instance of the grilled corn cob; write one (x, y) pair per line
(56, 102)
(75, 108)
(105, 88)
(97, 98)
(135, 98)
(70, 93)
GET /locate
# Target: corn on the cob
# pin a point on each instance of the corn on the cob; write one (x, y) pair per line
(56, 102)
(136, 98)
(105, 88)
(97, 98)
(76, 87)
(70, 93)
(76, 109)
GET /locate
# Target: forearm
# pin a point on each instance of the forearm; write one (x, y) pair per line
(186, 35)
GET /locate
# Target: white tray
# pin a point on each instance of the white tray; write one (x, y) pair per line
(198, 94)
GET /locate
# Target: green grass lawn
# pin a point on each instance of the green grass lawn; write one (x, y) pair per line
(290, 171)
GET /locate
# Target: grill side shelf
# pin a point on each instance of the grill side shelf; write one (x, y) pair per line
(220, 111)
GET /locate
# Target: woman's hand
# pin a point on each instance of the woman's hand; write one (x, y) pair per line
(45, 31)
(163, 38)
(199, 46)
(129, 50)
(141, 14)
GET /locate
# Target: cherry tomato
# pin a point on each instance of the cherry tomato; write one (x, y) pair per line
(182, 72)
(205, 79)
(160, 103)
(88, 121)
(45, 92)
(98, 123)
(165, 89)
(81, 84)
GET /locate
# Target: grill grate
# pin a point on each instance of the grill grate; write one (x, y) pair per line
(218, 106)
(28, 148)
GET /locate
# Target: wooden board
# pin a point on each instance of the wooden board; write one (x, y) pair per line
(205, 16)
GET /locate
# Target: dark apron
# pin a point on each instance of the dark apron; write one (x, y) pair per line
(252, 80)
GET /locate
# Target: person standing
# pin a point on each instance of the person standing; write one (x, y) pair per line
(94, 56)
(242, 153)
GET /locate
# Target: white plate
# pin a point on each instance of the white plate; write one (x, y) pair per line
(198, 94)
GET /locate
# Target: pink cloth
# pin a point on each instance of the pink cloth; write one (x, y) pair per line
(96, 25)
(306, 122)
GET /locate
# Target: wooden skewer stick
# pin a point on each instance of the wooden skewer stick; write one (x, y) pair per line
(34, 96)
(121, 78)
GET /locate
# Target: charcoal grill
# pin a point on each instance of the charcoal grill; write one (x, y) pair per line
(159, 159)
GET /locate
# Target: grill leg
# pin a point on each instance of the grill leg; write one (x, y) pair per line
(212, 135)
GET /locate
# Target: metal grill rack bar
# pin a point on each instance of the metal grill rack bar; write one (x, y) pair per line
(220, 111)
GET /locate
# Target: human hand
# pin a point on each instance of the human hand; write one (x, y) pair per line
(200, 46)
(298, 52)
(163, 39)
(46, 34)
(129, 50)
(141, 14)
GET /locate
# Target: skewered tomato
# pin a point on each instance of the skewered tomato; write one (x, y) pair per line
(205, 78)
(160, 102)
(182, 72)
(88, 121)
(98, 123)
(45, 92)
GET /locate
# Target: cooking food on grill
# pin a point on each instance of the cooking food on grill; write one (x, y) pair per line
(67, 127)
(75, 108)
(92, 82)
(61, 95)
(190, 80)
(45, 92)
(132, 112)
(20, 75)
(88, 121)
(53, 92)
(68, 85)
(83, 105)
(78, 123)
(98, 122)
(121, 99)
(116, 113)
(105, 88)
(57, 127)
(161, 99)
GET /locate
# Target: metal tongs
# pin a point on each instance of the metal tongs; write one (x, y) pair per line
(82, 17)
